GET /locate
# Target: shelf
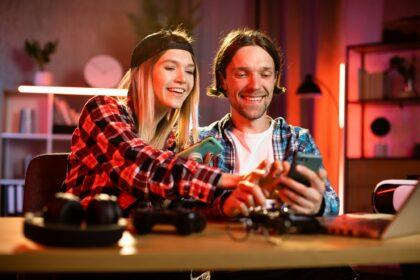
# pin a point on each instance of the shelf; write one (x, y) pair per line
(381, 47)
(12, 181)
(366, 65)
(18, 149)
(61, 136)
(24, 136)
(401, 101)
(385, 158)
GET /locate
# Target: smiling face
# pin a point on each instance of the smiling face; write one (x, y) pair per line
(249, 83)
(173, 79)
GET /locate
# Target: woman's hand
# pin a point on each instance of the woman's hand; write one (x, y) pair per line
(211, 159)
(300, 198)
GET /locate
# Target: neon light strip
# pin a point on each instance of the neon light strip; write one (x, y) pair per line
(341, 89)
(72, 90)
(341, 115)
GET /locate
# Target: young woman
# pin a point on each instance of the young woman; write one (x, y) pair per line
(126, 148)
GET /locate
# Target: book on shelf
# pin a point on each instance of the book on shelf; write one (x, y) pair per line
(2, 200)
(58, 116)
(19, 199)
(65, 117)
(74, 116)
(371, 85)
(11, 199)
(63, 112)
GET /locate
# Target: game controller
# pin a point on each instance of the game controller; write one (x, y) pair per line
(282, 223)
(185, 221)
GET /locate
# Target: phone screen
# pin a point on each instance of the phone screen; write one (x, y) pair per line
(207, 145)
(311, 161)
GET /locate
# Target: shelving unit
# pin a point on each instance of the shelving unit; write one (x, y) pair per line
(364, 165)
(17, 148)
(398, 101)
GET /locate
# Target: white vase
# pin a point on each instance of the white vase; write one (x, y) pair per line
(43, 78)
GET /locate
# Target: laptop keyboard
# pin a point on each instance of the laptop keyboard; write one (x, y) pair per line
(370, 226)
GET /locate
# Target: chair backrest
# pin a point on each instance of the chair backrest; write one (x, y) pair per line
(43, 179)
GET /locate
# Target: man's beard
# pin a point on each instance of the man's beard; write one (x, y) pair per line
(252, 114)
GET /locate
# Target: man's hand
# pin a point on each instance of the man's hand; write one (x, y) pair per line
(300, 198)
(271, 180)
(247, 194)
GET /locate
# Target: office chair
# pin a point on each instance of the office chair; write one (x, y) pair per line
(43, 179)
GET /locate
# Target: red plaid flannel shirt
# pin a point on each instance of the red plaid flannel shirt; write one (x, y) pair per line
(108, 156)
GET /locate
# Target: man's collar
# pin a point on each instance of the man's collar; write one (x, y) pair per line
(226, 122)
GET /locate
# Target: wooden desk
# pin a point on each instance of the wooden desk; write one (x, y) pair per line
(212, 249)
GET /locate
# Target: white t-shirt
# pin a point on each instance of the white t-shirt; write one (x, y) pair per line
(252, 148)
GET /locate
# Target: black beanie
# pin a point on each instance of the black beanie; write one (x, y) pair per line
(155, 43)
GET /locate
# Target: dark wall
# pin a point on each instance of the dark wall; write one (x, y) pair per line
(217, 18)
(83, 29)
(394, 9)
(87, 28)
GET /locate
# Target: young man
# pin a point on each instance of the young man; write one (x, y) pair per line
(247, 70)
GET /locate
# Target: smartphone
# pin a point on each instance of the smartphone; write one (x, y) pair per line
(207, 145)
(311, 161)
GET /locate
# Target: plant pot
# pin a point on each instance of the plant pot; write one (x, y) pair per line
(43, 78)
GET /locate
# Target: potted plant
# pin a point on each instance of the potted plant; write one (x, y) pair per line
(154, 16)
(41, 57)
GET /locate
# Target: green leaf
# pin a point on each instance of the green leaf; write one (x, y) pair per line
(151, 17)
(41, 56)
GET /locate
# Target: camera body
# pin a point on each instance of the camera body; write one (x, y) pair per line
(185, 221)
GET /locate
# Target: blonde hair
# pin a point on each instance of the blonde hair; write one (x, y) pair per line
(183, 121)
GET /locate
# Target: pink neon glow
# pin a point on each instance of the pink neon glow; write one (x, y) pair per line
(341, 101)
(341, 121)
(72, 90)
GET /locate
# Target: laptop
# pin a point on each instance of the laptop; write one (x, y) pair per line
(378, 226)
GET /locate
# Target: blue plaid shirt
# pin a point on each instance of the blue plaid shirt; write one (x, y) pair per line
(287, 140)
